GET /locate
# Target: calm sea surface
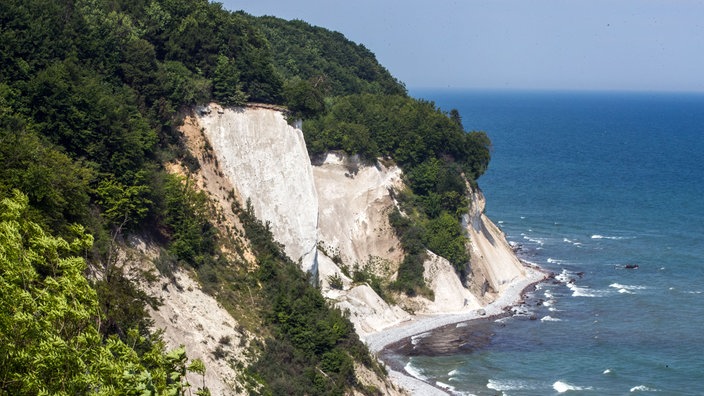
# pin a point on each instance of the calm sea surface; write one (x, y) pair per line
(587, 183)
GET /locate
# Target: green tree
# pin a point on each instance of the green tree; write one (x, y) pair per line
(456, 117)
(185, 212)
(309, 52)
(445, 237)
(227, 88)
(180, 85)
(303, 98)
(49, 342)
(124, 206)
(58, 187)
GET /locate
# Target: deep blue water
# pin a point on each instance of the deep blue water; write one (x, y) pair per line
(589, 182)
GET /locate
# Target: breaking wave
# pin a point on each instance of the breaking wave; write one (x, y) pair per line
(508, 385)
(627, 289)
(615, 238)
(562, 387)
(643, 388)
(414, 371)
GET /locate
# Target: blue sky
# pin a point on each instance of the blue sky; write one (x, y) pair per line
(644, 45)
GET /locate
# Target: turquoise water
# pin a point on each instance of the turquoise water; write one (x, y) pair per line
(587, 183)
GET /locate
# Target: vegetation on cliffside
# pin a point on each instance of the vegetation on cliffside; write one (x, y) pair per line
(438, 157)
(91, 95)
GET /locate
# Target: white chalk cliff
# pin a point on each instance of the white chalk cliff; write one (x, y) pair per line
(267, 161)
(342, 206)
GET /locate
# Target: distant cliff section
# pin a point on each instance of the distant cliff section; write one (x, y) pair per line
(333, 218)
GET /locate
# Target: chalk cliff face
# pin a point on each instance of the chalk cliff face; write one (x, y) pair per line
(267, 161)
(354, 209)
(335, 215)
(494, 264)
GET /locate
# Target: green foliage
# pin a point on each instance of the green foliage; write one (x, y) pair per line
(58, 187)
(408, 130)
(48, 314)
(445, 237)
(124, 206)
(335, 281)
(76, 109)
(303, 98)
(337, 65)
(317, 343)
(438, 186)
(123, 308)
(410, 278)
(185, 212)
(368, 274)
(227, 88)
(180, 85)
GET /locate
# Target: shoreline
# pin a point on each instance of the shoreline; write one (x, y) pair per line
(378, 342)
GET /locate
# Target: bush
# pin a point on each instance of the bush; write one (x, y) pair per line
(335, 281)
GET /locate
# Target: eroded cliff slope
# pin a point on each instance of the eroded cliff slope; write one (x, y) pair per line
(341, 206)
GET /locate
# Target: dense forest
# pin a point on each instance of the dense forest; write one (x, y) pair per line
(91, 96)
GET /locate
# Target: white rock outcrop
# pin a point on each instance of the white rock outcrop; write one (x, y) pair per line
(494, 263)
(354, 204)
(190, 318)
(450, 295)
(266, 160)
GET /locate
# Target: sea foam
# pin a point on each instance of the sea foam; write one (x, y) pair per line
(445, 386)
(508, 385)
(574, 243)
(414, 371)
(562, 387)
(534, 240)
(627, 289)
(578, 291)
(643, 388)
(615, 238)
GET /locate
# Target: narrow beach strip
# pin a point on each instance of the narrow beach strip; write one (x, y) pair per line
(511, 296)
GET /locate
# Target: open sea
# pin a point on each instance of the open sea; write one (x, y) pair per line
(586, 183)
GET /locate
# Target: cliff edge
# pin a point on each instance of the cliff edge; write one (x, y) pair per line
(333, 218)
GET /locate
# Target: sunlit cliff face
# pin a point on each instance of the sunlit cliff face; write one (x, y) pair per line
(335, 215)
(267, 161)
